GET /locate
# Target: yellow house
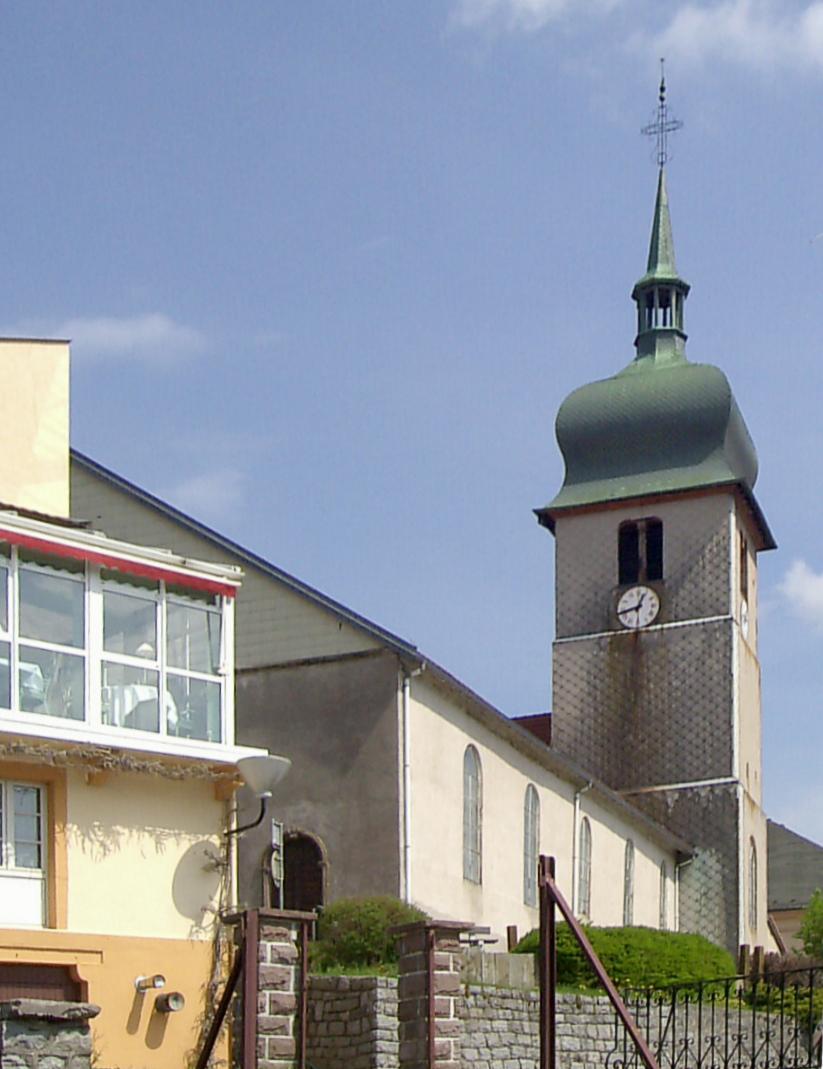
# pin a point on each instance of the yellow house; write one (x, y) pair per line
(117, 754)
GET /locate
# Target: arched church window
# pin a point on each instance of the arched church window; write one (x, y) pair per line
(664, 896)
(472, 816)
(628, 885)
(584, 881)
(640, 551)
(752, 885)
(531, 838)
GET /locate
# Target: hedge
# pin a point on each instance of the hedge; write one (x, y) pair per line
(635, 957)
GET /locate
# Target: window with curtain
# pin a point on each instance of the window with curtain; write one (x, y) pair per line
(531, 844)
(472, 816)
(628, 885)
(584, 882)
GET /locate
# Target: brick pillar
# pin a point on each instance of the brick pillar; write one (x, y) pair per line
(428, 994)
(276, 1032)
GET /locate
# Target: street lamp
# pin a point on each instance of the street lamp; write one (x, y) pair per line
(261, 773)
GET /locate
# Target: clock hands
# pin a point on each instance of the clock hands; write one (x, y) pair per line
(634, 608)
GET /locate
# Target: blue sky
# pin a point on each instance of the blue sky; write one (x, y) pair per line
(330, 268)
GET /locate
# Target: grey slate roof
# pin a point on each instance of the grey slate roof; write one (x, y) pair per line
(481, 710)
(795, 868)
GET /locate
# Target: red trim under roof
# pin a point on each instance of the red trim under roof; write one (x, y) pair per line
(120, 564)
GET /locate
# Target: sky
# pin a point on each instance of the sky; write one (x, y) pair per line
(330, 268)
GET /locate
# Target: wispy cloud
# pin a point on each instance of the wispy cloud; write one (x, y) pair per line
(802, 589)
(524, 15)
(152, 337)
(212, 495)
(764, 35)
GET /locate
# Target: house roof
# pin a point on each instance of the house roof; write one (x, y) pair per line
(487, 714)
(795, 867)
(405, 649)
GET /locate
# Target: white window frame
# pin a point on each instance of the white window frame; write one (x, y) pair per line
(472, 816)
(584, 905)
(664, 897)
(93, 655)
(37, 878)
(531, 843)
(628, 884)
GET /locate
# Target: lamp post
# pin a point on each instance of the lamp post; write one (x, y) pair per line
(261, 773)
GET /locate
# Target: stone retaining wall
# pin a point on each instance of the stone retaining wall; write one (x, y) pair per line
(352, 1022)
(501, 1030)
(41, 1033)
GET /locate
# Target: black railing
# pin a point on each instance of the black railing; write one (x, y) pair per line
(767, 1022)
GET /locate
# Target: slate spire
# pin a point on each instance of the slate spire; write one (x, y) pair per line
(661, 292)
(661, 247)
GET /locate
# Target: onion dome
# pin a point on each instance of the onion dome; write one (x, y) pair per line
(662, 425)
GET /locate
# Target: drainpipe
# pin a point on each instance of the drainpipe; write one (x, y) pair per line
(680, 865)
(232, 875)
(407, 870)
(575, 840)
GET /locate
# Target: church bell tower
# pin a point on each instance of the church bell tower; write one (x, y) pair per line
(656, 680)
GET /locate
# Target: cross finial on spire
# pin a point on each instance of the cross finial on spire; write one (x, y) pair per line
(662, 125)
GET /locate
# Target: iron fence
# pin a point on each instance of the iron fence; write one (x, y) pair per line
(767, 1022)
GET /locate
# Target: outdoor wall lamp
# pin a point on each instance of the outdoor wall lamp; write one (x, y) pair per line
(261, 774)
(173, 1002)
(149, 983)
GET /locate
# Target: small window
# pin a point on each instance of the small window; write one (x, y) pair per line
(752, 885)
(628, 885)
(472, 816)
(531, 839)
(664, 896)
(640, 551)
(584, 894)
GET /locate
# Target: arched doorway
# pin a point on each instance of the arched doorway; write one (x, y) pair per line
(303, 872)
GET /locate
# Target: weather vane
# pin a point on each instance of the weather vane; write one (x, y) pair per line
(662, 125)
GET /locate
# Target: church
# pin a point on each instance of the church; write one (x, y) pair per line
(645, 782)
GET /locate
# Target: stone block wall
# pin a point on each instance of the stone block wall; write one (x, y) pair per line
(41, 1034)
(352, 1022)
(501, 1030)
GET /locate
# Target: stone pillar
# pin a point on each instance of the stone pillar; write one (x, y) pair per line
(280, 991)
(39, 1032)
(429, 994)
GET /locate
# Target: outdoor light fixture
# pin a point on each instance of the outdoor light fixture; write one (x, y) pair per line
(149, 983)
(173, 1002)
(261, 774)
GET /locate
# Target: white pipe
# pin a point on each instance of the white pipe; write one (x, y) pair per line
(407, 885)
(407, 858)
(231, 849)
(575, 840)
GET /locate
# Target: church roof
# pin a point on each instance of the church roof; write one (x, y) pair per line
(662, 424)
(795, 868)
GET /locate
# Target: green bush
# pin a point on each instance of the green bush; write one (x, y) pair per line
(811, 928)
(354, 932)
(635, 957)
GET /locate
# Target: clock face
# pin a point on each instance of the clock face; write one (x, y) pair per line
(638, 607)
